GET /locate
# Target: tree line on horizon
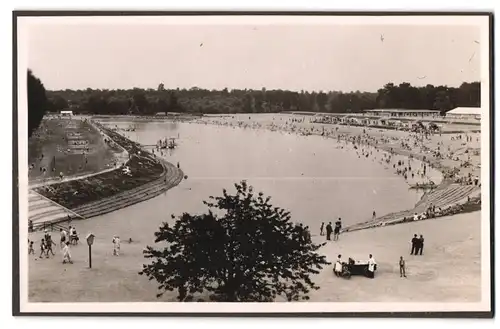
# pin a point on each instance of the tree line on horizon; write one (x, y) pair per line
(195, 100)
(202, 101)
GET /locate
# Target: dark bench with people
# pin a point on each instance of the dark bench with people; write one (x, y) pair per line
(352, 267)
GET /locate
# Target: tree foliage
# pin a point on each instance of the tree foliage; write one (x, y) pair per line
(197, 100)
(37, 102)
(251, 251)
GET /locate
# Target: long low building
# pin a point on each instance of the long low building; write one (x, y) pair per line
(403, 113)
(465, 113)
(66, 113)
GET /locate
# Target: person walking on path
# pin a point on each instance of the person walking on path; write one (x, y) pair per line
(42, 248)
(64, 237)
(66, 254)
(49, 243)
(31, 249)
(420, 244)
(329, 231)
(402, 267)
(321, 233)
(414, 243)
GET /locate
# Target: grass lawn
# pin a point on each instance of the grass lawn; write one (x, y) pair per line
(58, 146)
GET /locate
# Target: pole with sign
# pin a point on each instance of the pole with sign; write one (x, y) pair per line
(90, 241)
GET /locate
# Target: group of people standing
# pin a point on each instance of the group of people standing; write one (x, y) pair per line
(330, 230)
(417, 245)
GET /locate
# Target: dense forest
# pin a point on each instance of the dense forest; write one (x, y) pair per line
(201, 101)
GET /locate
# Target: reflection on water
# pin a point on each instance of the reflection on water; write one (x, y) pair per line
(307, 175)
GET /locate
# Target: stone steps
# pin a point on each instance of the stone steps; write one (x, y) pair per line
(42, 210)
(443, 196)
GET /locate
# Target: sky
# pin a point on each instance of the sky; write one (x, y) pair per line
(293, 57)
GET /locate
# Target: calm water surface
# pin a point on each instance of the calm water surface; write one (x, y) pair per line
(307, 175)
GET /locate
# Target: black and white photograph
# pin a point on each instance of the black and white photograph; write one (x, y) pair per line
(242, 163)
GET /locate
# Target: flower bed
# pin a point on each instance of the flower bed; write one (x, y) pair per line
(141, 168)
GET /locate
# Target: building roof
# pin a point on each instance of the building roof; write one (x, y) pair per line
(401, 110)
(465, 111)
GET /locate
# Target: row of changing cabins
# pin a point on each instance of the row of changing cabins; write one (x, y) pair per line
(401, 118)
(456, 113)
(473, 113)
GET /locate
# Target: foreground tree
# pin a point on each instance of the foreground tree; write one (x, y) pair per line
(37, 102)
(251, 252)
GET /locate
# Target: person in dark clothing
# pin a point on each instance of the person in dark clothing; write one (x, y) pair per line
(48, 245)
(42, 248)
(338, 227)
(420, 244)
(321, 229)
(307, 234)
(414, 244)
(402, 267)
(329, 231)
(302, 235)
